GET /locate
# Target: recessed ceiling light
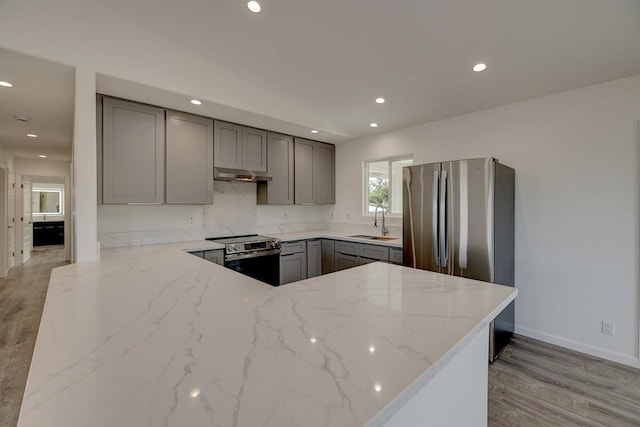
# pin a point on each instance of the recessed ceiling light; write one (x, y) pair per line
(479, 67)
(5, 84)
(373, 125)
(42, 155)
(314, 131)
(196, 102)
(254, 6)
(32, 135)
(380, 100)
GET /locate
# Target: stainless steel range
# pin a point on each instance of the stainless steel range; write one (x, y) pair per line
(252, 255)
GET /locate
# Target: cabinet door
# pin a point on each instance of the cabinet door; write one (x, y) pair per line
(278, 191)
(133, 153)
(189, 159)
(216, 256)
(344, 261)
(327, 256)
(293, 267)
(325, 174)
(254, 149)
(304, 171)
(363, 261)
(227, 143)
(314, 258)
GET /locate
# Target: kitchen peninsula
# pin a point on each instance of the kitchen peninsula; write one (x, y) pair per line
(152, 335)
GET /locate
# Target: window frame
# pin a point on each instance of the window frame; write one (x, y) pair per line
(365, 182)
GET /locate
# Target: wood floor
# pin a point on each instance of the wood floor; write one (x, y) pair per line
(532, 384)
(538, 384)
(22, 295)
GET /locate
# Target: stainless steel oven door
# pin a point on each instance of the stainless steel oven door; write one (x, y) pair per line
(265, 268)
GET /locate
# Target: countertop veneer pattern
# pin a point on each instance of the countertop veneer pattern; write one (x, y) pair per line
(154, 336)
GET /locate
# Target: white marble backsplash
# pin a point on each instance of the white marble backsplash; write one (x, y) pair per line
(234, 212)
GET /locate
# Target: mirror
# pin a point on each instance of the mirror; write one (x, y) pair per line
(47, 202)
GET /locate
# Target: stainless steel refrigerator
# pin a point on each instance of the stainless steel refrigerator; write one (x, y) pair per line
(458, 219)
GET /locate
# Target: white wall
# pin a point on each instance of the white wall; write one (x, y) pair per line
(46, 168)
(576, 161)
(6, 159)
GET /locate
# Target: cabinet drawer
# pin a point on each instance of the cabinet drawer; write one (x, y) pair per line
(199, 254)
(293, 247)
(347, 248)
(343, 261)
(395, 255)
(216, 256)
(379, 253)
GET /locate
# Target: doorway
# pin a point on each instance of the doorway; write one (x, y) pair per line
(44, 205)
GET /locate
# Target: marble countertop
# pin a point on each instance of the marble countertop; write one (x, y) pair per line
(152, 335)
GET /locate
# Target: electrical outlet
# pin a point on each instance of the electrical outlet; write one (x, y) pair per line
(608, 328)
(188, 220)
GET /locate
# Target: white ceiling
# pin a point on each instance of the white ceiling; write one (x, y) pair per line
(44, 92)
(332, 58)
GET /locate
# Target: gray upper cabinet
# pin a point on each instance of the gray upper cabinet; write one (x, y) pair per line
(239, 147)
(227, 145)
(314, 172)
(254, 149)
(305, 152)
(189, 159)
(278, 191)
(325, 179)
(133, 153)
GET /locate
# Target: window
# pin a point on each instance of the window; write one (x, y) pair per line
(383, 184)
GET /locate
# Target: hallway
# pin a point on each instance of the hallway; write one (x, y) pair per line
(22, 295)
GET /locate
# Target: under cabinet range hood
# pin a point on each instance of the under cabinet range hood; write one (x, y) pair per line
(241, 175)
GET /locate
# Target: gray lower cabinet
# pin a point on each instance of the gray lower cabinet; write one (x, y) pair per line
(314, 258)
(216, 256)
(328, 246)
(278, 191)
(189, 159)
(239, 147)
(293, 261)
(350, 254)
(344, 261)
(395, 256)
(213, 255)
(133, 152)
(374, 252)
(314, 172)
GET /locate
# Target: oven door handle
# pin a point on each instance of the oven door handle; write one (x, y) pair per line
(234, 257)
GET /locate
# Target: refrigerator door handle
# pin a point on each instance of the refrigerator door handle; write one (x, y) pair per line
(444, 254)
(434, 218)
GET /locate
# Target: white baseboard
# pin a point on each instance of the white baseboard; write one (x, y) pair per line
(624, 359)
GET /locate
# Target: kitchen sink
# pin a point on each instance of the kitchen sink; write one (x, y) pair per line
(364, 236)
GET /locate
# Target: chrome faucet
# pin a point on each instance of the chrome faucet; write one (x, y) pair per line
(385, 229)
